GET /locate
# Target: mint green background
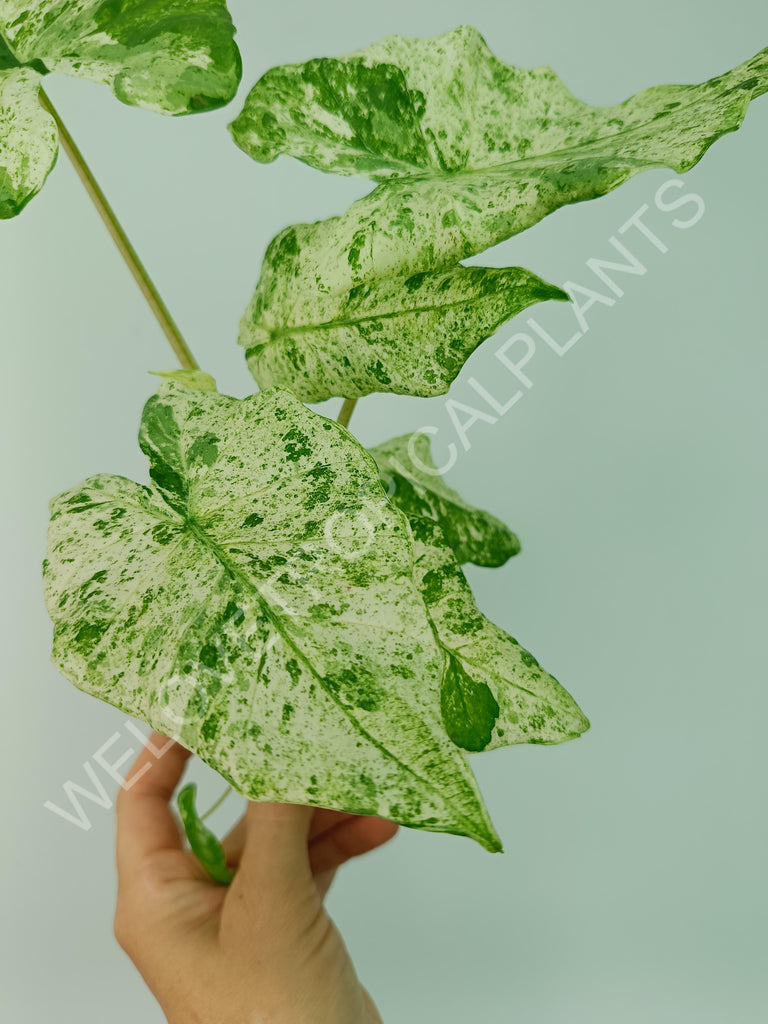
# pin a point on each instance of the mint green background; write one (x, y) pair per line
(633, 888)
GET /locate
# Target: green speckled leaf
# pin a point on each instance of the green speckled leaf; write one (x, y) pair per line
(257, 603)
(469, 151)
(29, 142)
(174, 58)
(494, 692)
(416, 486)
(317, 324)
(171, 56)
(427, 109)
(205, 845)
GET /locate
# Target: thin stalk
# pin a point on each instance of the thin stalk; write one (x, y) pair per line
(346, 411)
(129, 254)
(217, 805)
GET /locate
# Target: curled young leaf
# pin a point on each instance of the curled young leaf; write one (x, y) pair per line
(198, 380)
(494, 692)
(417, 487)
(178, 57)
(205, 846)
(315, 323)
(257, 603)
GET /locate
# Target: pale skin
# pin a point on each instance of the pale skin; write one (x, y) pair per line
(261, 951)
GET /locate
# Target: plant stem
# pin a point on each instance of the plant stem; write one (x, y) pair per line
(346, 411)
(120, 238)
(218, 804)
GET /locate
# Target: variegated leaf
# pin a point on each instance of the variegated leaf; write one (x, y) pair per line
(494, 692)
(469, 151)
(204, 844)
(176, 57)
(316, 323)
(257, 603)
(447, 108)
(29, 143)
(416, 486)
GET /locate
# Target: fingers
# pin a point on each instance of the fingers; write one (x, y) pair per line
(334, 837)
(323, 819)
(145, 824)
(351, 838)
(275, 848)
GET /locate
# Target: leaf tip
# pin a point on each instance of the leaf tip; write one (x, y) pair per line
(490, 840)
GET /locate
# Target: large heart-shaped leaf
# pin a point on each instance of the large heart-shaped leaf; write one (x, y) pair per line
(469, 151)
(257, 603)
(315, 322)
(494, 692)
(176, 57)
(416, 486)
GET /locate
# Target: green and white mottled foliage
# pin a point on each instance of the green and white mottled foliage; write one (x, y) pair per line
(468, 151)
(315, 324)
(493, 692)
(29, 142)
(262, 600)
(416, 486)
(436, 108)
(257, 603)
(174, 57)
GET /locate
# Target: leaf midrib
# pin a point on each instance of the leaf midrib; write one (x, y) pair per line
(424, 174)
(197, 530)
(275, 334)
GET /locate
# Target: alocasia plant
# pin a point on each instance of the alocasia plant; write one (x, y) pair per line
(286, 604)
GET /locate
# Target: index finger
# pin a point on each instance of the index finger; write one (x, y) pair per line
(145, 823)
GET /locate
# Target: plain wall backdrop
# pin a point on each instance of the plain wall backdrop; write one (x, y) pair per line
(633, 886)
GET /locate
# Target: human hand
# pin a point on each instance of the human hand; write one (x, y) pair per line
(261, 951)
